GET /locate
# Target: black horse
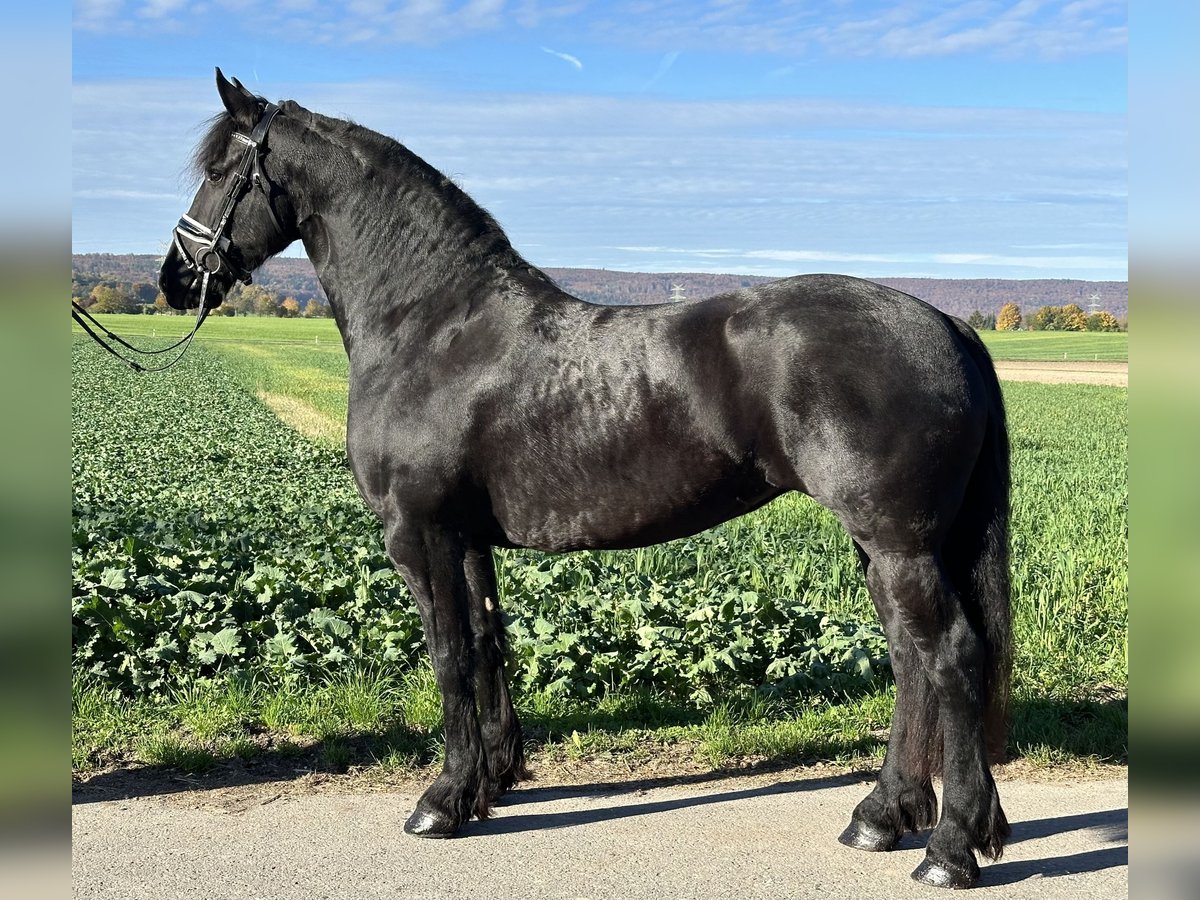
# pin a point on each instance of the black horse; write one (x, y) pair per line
(488, 408)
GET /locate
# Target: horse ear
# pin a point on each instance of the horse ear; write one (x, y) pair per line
(239, 102)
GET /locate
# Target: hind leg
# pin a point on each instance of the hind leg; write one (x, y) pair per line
(499, 726)
(903, 798)
(951, 653)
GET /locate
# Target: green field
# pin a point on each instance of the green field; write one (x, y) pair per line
(1057, 345)
(213, 604)
(220, 329)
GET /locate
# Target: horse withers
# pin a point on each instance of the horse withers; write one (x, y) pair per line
(488, 408)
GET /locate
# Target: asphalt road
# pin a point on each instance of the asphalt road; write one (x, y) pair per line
(765, 837)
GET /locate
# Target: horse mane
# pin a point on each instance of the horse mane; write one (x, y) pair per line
(377, 152)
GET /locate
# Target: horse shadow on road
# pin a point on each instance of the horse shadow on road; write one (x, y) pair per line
(1108, 827)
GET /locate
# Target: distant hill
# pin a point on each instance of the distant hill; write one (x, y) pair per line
(959, 296)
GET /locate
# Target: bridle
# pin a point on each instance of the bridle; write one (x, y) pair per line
(210, 255)
(210, 247)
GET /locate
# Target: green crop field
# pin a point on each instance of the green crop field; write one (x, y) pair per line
(1057, 345)
(228, 582)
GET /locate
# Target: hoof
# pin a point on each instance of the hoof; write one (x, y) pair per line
(429, 825)
(861, 836)
(939, 875)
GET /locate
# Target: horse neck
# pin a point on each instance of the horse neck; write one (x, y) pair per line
(399, 250)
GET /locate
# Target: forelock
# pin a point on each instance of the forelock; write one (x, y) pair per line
(213, 146)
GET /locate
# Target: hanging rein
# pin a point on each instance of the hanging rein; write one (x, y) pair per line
(209, 248)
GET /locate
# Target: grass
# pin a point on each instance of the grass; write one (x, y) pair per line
(1057, 345)
(391, 725)
(1070, 583)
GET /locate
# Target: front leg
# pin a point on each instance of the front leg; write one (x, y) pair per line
(430, 558)
(500, 726)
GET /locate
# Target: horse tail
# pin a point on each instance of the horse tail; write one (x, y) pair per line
(977, 551)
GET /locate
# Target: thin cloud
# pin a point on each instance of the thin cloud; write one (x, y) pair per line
(664, 66)
(1006, 29)
(772, 186)
(566, 57)
(159, 9)
(97, 15)
(120, 194)
(993, 260)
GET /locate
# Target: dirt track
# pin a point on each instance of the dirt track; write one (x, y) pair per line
(1064, 372)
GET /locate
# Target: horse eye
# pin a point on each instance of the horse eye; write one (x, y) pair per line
(214, 176)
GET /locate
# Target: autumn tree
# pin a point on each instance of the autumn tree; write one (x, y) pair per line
(314, 309)
(251, 300)
(265, 303)
(1048, 318)
(1072, 318)
(1009, 318)
(1103, 321)
(236, 301)
(289, 308)
(107, 298)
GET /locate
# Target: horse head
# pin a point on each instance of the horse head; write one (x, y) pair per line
(240, 215)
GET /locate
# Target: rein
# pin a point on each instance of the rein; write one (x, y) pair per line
(79, 314)
(212, 246)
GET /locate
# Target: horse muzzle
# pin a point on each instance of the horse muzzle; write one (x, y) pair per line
(182, 280)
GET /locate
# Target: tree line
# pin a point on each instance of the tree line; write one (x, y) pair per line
(288, 289)
(242, 300)
(1069, 317)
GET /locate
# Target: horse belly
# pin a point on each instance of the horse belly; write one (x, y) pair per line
(634, 508)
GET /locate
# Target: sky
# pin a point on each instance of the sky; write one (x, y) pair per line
(976, 139)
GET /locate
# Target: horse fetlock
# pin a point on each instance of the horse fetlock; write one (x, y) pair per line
(505, 750)
(917, 806)
(978, 817)
(898, 804)
(991, 829)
